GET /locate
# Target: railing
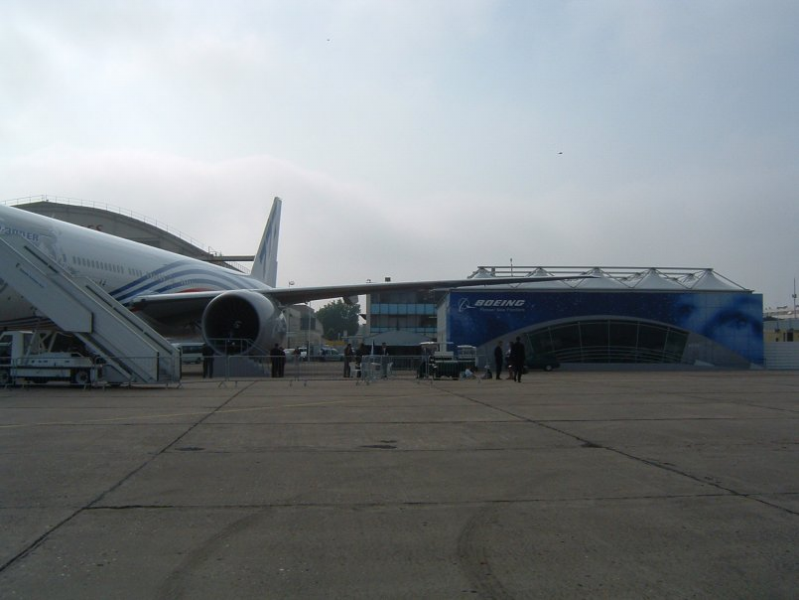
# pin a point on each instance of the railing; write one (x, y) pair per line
(295, 367)
(370, 368)
(236, 367)
(781, 355)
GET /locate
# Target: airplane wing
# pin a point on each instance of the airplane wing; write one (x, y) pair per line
(294, 295)
(189, 306)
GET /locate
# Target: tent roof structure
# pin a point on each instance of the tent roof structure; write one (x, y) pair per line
(649, 279)
(652, 279)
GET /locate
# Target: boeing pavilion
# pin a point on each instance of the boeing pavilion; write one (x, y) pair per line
(621, 316)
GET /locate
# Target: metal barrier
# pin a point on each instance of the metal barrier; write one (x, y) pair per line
(77, 370)
(294, 368)
(232, 368)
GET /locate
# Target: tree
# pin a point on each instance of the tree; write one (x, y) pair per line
(338, 319)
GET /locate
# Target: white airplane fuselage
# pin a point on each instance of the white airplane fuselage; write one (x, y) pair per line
(123, 268)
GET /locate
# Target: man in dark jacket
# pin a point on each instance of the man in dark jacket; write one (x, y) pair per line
(498, 358)
(517, 356)
(274, 357)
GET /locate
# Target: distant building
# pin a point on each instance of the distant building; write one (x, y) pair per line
(781, 312)
(414, 312)
(784, 329)
(303, 329)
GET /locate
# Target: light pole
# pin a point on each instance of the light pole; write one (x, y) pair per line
(288, 321)
(308, 332)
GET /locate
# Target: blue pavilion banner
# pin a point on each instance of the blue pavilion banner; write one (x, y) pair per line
(731, 319)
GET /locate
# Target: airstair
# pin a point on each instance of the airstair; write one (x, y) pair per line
(132, 350)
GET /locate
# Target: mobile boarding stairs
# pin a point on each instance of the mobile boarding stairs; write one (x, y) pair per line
(132, 350)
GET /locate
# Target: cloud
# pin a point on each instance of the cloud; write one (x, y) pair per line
(337, 230)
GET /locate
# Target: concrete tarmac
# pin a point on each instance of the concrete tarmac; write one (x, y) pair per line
(568, 485)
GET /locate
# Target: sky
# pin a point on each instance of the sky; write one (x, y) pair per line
(420, 139)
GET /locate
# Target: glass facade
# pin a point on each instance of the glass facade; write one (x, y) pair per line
(609, 341)
(405, 311)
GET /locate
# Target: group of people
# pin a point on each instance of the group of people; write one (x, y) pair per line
(356, 356)
(278, 359)
(514, 358)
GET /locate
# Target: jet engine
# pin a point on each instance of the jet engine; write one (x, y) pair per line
(243, 322)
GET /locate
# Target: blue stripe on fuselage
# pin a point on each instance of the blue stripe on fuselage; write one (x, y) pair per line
(160, 280)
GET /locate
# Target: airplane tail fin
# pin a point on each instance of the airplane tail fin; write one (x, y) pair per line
(264, 267)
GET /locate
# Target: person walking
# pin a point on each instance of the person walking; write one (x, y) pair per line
(274, 358)
(384, 361)
(281, 362)
(517, 356)
(359, 359)
(424, 365)
(498, 358)
(348, 355)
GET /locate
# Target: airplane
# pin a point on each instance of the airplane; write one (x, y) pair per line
(171, 291)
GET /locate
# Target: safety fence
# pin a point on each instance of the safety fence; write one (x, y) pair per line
(87, 372)
(370, 368)
(781, 355)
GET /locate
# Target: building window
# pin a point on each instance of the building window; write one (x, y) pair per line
(610, 341)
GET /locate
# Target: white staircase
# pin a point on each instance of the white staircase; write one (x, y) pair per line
(132, 350)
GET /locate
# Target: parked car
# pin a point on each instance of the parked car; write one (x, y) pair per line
(191, 353)
(329, 353)
(302, 352)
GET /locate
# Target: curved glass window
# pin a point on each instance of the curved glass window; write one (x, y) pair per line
(609, 341)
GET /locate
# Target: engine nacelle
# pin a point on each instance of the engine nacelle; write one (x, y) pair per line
(242, 321)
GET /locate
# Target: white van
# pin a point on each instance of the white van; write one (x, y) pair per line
(191, 353)
(467, 354)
